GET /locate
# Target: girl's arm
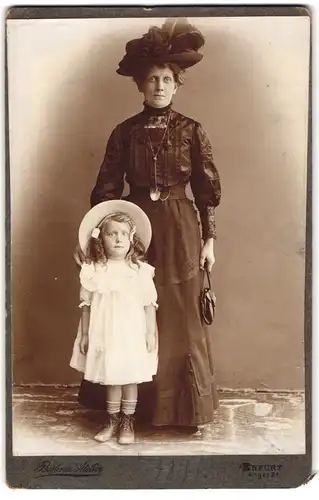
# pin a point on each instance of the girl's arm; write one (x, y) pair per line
(150, 314)
(85, 321)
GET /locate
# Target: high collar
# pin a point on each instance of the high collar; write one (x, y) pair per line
(150, 111)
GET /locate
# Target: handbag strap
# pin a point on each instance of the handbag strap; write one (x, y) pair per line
(205, 272)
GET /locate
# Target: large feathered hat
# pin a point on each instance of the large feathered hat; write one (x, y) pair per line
(177, 41)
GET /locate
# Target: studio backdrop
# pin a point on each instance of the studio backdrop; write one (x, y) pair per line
(250, 92)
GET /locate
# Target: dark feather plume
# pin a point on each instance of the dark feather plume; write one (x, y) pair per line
(182, 35)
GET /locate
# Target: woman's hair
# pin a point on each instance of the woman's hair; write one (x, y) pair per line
(141, 73)
(95, 249)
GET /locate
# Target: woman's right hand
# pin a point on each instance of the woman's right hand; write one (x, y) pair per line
(78, 255)
(84, 344)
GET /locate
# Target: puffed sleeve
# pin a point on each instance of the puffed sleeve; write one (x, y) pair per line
(149, 293)
(85, 297)
(110, 180)
(205, 181)
(88, 284)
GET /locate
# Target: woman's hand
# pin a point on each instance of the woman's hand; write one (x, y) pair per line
(84, 344)
(207, 256)
(78, 255)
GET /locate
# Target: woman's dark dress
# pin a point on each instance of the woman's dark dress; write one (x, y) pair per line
(184, 390)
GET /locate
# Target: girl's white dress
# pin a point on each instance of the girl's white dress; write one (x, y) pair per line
(117, 293)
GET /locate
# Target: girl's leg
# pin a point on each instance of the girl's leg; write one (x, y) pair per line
(113, 406)
(113, 399)
(129, 401)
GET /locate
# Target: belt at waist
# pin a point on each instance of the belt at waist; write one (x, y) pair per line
(176, 192)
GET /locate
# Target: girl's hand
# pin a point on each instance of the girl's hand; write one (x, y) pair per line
(151, 342)
(207, 255)
(78, 255)
(84, 344)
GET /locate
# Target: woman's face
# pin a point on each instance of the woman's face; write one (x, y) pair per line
(116, 239)
(158, 87)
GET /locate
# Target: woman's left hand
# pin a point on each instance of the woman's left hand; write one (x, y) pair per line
(207, 255)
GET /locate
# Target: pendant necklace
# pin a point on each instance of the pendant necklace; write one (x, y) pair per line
(155, 192)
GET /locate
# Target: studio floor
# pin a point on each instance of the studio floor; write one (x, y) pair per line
(49, 421)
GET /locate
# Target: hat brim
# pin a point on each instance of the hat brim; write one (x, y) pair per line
(129, 66)
(100, 211)
(186, 58)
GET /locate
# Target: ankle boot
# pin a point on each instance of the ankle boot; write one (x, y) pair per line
(110, 430)
(127, 430)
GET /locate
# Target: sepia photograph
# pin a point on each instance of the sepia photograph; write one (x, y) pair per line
(159, 180)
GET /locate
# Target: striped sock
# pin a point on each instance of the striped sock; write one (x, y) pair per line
(113, 407)
(128, 406)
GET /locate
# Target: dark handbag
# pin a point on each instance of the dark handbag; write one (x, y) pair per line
(207, 300)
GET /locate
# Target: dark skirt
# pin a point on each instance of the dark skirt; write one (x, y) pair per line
(184, 390)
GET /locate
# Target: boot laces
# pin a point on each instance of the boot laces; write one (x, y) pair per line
(127, 423)
(113, 420)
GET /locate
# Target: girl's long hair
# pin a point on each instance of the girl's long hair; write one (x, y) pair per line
(96, 252)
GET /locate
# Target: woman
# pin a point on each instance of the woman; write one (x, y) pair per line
(159, 151)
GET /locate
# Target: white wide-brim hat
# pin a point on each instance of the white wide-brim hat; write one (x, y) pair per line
(94, 216)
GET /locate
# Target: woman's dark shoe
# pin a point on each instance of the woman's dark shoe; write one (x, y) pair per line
(110, 430)
(127, 435)
(187, 429)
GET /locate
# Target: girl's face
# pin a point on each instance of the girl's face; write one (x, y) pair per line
(116, 239)
(158, 87)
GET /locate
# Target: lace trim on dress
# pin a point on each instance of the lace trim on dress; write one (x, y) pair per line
(84, 303)
(152, 303)
(211, 222)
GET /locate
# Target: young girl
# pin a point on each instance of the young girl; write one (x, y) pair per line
(116, 344)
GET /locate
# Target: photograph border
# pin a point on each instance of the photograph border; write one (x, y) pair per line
(159, 472)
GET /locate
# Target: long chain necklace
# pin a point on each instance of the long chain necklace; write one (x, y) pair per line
(155, 192)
